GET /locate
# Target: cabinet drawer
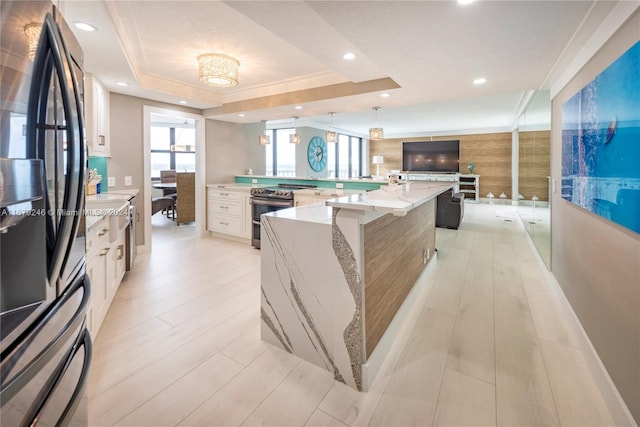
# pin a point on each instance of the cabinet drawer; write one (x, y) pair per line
(228, 207)
(225, 224)
(97, 237)
(223, 195)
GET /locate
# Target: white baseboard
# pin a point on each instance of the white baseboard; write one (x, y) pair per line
(613, 399)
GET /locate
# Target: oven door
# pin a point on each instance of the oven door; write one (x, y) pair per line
(261, 206)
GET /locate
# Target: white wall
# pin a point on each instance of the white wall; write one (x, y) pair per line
(232, 149)
(597, 262)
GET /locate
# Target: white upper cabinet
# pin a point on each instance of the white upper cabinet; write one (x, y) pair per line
(96, 117)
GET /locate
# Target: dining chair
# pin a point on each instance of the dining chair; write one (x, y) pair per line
(186, 197)
(169, 175)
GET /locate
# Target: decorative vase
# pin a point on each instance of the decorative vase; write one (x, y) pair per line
(471, 166)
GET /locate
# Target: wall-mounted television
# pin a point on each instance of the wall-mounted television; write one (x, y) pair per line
(431, 156)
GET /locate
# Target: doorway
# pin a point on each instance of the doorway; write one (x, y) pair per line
(191, 127)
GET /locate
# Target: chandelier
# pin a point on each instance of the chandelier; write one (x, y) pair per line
(32, 32)
(216, 69)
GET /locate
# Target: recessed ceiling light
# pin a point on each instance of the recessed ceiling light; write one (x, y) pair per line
(298, 107)
(385, 95)
(182, 102)
(480, 81)
(123, 84)
(241, 115)
(465, 1)
(349, 56)
(84, 26)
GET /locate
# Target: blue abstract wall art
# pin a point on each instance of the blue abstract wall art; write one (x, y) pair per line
(601, 143)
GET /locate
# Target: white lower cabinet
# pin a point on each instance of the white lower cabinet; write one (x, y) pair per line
(97, 272)
(106, 266)
(229, 212)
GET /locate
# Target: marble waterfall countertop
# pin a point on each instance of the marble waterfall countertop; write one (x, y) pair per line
(309, 213)
(335, 276)
(394, 199)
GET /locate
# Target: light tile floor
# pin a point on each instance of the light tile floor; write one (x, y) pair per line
(493, 344)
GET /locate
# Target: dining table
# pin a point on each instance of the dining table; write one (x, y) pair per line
(164, 185)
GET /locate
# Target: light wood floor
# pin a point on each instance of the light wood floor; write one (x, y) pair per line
(492, 345)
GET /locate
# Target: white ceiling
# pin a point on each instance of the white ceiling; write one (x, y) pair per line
(425, 54)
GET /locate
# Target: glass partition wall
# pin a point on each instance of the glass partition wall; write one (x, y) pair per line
(534, 134)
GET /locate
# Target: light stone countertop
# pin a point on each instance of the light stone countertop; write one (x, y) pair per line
(129, 192)
(232, 186)
(105, 198)
(397, 200)
(328, 192)
(311, 178)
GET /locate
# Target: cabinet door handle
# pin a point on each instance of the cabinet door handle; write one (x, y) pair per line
(106, 251)
(103, 232)
(224, 223)
(120, 252)
(224, 194)
(224, 207)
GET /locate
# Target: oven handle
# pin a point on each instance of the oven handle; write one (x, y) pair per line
(255, 221)
(271, 202)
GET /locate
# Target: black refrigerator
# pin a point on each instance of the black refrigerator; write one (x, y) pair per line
(45, 348)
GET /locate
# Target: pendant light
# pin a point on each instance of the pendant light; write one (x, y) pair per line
(264, 139)
(330, 135)
(376, 132)
(294, 138)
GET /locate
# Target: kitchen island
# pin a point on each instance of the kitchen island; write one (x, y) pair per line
(337, 280)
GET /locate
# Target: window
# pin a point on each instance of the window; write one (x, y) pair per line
(172, 148)
(344, 158)
(281, 154)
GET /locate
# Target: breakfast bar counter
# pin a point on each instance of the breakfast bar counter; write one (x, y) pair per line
(337, 279)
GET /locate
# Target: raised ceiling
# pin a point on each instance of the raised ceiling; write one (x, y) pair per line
(425, 54)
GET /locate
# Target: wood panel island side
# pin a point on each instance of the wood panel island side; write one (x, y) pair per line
(339, 280)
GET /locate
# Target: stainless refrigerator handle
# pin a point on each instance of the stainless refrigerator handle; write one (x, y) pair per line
(11, 355)
(51, 53)
(76, 397)
(83, 340)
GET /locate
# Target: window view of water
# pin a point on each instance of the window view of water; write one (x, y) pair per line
(172, 147)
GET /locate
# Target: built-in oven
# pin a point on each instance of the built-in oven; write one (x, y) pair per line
(269, 199)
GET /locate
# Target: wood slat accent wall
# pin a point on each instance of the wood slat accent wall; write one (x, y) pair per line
(490, 152)
(393, 261)
(535, 164)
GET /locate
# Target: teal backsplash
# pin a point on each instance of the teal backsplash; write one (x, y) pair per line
(100, 163)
